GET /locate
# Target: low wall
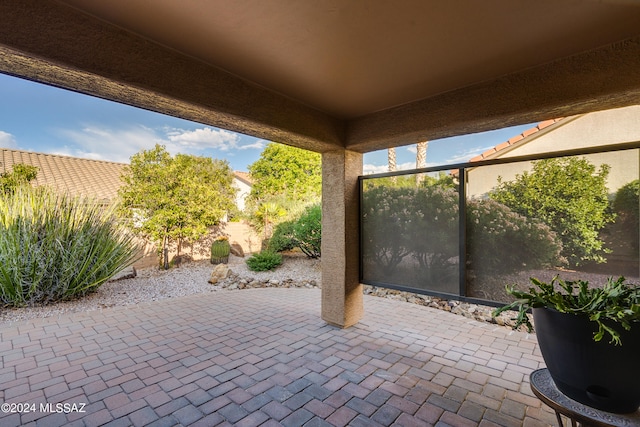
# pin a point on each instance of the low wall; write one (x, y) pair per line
(240, 233)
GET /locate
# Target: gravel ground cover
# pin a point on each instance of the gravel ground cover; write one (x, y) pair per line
(152, 284)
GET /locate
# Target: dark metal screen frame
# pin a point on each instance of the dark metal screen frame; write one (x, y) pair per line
(462, 244)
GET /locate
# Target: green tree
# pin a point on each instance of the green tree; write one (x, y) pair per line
(20, 174)
(286, 171)
(570, 196)
(175, 198)
(627, 207)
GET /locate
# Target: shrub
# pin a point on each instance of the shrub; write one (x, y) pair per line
(436, 221)
(55, 247)
(263, 261)
(421, 222)
(500, 241)
(386, 212)
(627, 202)
(307, 231)
(627, 206)
(571, 197)
(282, 239)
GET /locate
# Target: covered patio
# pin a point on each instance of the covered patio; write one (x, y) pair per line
(341, 78)
(264, 357)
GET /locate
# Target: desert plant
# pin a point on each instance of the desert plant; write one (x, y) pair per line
(282, 239)
(264, 261)
(616, 303)
(55, 247)
(266, 216)
(220, 249)
(307, 231)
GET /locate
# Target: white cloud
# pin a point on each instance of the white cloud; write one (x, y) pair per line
(116, 145)
(406, 165)
(258, 145)
(202, 138)
(464, 156)
(368, 168)
(7, 140)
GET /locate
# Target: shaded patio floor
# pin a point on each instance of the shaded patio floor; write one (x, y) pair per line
(264, 357)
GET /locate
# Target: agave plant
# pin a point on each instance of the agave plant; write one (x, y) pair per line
(56, 247)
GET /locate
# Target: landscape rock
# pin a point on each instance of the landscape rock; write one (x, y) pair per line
(236, 250)
(220, 272)
(153, 284)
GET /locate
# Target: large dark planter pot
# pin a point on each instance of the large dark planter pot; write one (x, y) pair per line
(597, 374)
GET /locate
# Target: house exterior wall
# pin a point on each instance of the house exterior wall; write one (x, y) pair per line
(594, 129)
(243, 191)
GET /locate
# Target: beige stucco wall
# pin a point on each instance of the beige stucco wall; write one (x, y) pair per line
(243, 191)
(239, 233)
(594, 129)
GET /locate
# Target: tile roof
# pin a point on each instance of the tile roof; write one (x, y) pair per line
(244, 176)
(86, 177)
(91, 178)
(515, 140)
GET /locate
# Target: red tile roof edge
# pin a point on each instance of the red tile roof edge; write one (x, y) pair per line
(514, 140)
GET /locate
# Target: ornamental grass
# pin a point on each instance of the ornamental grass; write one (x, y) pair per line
(57, 247)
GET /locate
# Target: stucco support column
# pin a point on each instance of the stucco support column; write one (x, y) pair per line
(341, 291)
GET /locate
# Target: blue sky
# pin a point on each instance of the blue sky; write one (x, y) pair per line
(40, 118)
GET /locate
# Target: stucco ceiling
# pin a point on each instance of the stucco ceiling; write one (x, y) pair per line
(358, 74)
(352, 58)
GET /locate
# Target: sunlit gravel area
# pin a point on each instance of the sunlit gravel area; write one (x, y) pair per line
(152, 284)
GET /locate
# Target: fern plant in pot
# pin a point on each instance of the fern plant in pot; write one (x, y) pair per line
(589, 338)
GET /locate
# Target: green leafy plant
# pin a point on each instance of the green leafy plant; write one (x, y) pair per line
(627, 207)
(20, 174)
(386, 213)
(570, 195)
(616, 303)
(176, 198)
(307, 231)
(500, 241)
(55, 247)
(286, 171)
(282, 239)
(264, 261)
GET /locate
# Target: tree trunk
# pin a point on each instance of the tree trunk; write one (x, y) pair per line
(421, 160)
(391, 156)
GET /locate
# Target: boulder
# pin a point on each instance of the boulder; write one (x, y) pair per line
(236, 250)
(220, 272)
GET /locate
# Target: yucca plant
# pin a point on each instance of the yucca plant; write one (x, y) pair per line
(57, 247)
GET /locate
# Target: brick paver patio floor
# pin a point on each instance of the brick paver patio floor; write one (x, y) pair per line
(263, 357)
